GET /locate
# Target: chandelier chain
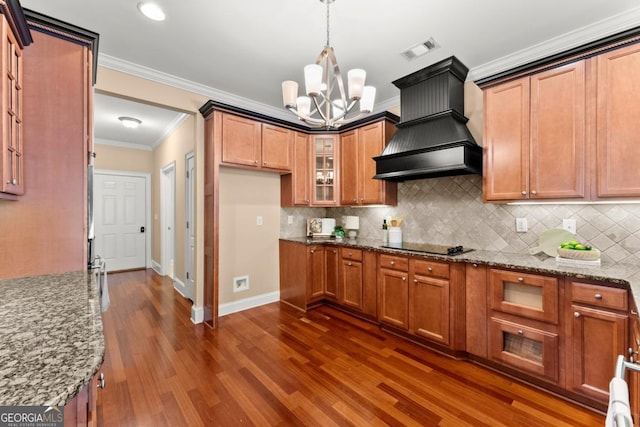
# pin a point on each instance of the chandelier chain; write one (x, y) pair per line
(328, 44)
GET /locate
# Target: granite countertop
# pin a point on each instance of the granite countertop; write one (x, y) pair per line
(625, 275)
(51, 338)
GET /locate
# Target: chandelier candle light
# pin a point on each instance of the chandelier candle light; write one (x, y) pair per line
(321, 80)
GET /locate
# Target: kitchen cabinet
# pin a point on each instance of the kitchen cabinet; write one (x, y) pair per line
(357, 167)
(617, 155)
(523, 323)
(393, 291)
(634, 378)
(81, 411)
(429, 306)
(301, 274)
(598, 318)
(358, 280)
(476, 287)
(11, 127)
(295, 187)
(332, 270)
(324, 170)
(535, 136)
(316, 273)
(249, 143)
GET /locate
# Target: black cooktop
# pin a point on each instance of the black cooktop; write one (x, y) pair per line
(428, 248)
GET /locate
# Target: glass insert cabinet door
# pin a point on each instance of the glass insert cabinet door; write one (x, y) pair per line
(324, 170)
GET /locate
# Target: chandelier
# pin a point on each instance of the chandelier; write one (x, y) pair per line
(322, 81)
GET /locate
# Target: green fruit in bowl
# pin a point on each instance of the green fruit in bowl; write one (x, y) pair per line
(575, 246)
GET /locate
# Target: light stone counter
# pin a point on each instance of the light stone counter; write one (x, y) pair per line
(51, 338)
(621, 275)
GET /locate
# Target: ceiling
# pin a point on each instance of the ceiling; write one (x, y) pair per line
(240, 51)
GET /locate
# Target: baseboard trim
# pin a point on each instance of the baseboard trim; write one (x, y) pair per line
(197, 314)
(247, 303)
(179, 286)
(156, 267)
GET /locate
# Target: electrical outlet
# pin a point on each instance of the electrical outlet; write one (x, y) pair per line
(521, 225)
(259, 220)
(240, 283)
(569, 225)
(289, 219)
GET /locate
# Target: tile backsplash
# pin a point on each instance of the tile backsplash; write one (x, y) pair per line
(450, 211)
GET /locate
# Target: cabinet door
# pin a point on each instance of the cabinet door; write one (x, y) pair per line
(618, 109)
(300, 172)
(370, 143)
(351, 284)
(506, 137)
(316, 279)
(634, 379)
(294, 275)
(324, 170)
(393, 294)
(331, 278)
(557, 166)
(476, 309)
(349, 168)
(277, 146)
(526, 348)
(429, 303)
(597, 338)
(11, 166)
(240, 141)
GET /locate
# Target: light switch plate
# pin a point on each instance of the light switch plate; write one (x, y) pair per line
(569, 225)
(521, 225)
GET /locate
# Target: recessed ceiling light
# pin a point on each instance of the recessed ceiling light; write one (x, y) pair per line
(130, 122)
(151, 11)
(420, 49)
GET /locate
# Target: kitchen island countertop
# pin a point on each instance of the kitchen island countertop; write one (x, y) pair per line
(51, 338)
(625, 275)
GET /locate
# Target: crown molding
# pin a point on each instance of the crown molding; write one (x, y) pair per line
(171, 127)
(122, 144)
(570, 40)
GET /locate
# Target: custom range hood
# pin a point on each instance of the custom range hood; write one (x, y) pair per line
(432, 139)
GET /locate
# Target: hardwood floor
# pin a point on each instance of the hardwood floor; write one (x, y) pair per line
(273, 366)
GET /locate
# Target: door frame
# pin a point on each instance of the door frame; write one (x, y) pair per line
(147, 204)
(190, 217)
(168, 217)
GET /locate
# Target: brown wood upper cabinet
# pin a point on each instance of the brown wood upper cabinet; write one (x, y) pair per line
(295, 188)
(618, 109)
(357, 167)
(11, 158)
(249, 143)
(535, 136)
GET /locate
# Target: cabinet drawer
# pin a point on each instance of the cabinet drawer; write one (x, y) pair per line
(527, 295)
(600, 296)
(394, 262)
(352, 254)
(525, 348)
(430, 268)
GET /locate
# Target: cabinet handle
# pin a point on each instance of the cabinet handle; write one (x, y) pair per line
(598, 296)
(576, 314)
(634, 313)
(534, 192)
(101, 382)
(524, 193)
(520, 279)
(520, 332)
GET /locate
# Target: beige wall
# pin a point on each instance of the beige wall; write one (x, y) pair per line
(109, 157)
(246, 248)
(172, 150)
(114, 82)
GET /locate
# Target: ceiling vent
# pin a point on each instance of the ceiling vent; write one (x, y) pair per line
(420, 49)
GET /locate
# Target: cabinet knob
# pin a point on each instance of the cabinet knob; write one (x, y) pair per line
(576, 314)
(312, 251)
(474, 265)
(335, 252)
(264, 163)
(429, 269)
(306, 200)
(393, 263)
(255, 161)
(349, 264)
(524, 193)
(415, 280)
(101, 382)
(350, 254)
(520, 279)
(404, 278)
(598, 296)
(355, 200)
(362, 200)
(534, 192)
(14, 181)
(520, 332)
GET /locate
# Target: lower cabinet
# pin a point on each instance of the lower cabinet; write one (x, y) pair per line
(598, 334)
(332, 269)
(476, 309)
(429, 300)
(316, 273)
(393, 291)
(357, 279)
(81, 411)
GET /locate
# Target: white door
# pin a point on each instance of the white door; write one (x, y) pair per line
(190, 251)
(168, 206)
(120, 220)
